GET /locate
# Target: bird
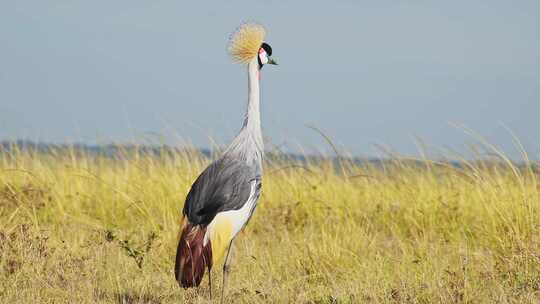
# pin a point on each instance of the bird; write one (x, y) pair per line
(223, 198)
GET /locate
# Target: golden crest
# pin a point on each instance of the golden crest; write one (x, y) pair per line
(245, 42)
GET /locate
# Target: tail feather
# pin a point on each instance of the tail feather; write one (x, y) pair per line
(192, 256)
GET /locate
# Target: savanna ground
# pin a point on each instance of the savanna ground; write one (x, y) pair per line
(77, 228)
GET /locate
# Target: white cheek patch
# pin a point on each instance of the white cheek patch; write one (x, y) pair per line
(263, 56)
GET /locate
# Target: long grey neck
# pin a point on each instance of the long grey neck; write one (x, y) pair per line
(252, 119)
(248, 144)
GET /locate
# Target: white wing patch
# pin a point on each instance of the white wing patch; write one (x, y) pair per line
(238, 218)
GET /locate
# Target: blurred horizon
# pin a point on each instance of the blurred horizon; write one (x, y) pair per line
(368, 74)
(478, 151)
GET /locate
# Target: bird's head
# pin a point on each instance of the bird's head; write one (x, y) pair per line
(265, 53)
(247, 43)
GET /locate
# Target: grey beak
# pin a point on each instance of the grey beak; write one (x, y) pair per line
(272, 61)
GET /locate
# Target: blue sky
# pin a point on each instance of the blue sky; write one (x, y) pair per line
(365, 72)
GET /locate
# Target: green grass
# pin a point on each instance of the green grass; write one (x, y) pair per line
(82, 229)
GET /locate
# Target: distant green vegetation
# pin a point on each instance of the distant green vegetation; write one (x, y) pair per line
(78, 228)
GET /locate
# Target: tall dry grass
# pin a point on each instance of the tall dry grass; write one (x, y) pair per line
(77, 228)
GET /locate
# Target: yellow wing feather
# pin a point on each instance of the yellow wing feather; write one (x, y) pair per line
(221, 234)
(245, 42)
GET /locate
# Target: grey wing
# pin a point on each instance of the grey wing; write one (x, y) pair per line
(225, 185)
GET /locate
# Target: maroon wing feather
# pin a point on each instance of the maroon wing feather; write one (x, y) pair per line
(192, 256)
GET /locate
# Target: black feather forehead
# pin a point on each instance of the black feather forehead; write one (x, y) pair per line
(267, 48)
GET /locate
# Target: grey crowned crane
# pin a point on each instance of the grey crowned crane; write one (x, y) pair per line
(224, 196)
